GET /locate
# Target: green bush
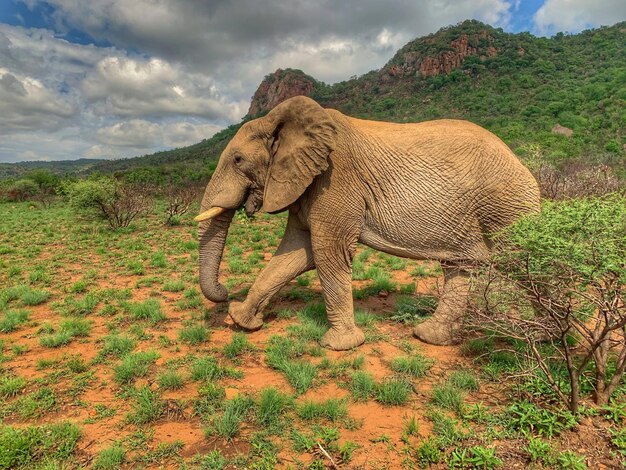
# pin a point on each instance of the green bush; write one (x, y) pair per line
(558, 269)
(117, 202)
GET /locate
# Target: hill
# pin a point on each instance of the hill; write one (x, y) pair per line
(564, 95)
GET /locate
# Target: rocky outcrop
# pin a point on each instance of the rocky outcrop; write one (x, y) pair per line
(430, 60)
(277, 87)
(562, 130)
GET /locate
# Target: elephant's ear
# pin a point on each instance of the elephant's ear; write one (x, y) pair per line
(302, 138)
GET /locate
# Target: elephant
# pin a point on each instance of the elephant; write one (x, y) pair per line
(435, 190)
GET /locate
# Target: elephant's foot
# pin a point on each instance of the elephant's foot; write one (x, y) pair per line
(242, 317)
(438, 332)
(342, 339)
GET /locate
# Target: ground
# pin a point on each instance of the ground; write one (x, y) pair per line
(110, 357)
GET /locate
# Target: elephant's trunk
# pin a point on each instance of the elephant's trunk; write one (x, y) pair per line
(212, 236)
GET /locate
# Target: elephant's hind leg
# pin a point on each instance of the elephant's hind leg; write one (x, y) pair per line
(445, 324)
(293, 257)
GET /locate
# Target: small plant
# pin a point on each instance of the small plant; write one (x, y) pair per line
(409, 309)
(134, 365)
(148, 406)
(34, 297)
(214, 460)
(170, 380)
(228, 424)
(526, 417)
(194, 334)
(464, 380)
(173, 286)
(474, 457)
(411, 427)
(539, 450)
(428, 452)
(332, 409)
(568, 460)
(25, 447)
(116, 345)
(393, 392)
(237, 346)
(110, 458)
(415, 366)
(11, 386)
(207, 369)
(448, 397)
(300, 374)
(158, 260)
(272, 405)
(11, 319)
(363, 386)
(150, 309)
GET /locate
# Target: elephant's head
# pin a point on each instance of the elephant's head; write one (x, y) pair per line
(269, 163)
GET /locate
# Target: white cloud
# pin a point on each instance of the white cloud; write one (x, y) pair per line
(142, 134)
(129, 87)
(26, 104)
(575, 15)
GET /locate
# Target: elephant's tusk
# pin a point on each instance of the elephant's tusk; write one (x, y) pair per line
(212, 212)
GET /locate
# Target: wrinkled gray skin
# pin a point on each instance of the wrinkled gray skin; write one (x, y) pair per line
(433, 190)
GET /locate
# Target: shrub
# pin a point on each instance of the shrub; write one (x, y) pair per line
(559, 279)
(179, 198)
(21, 190)
(116, 202)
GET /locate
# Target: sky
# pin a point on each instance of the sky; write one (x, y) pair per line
(122, 78)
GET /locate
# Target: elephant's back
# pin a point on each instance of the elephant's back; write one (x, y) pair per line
(457, 175)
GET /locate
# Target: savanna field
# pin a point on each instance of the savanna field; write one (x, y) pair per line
(110, 357)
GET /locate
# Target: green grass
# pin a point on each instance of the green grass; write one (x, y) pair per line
(149, 309)
(110, 458)
(448, 397)
(464, 380)
(11, 386)
(332, 409)
(12, 319)
(116, 345)
(194, 334)
(134, 365)
(300, 374)
(68, 330)
(238, 345)
(147, 407)
(393, 392)
(170, 380)
(228, 424)
(414, 366)
(26, 447)
(273, 404)
(208, 369)
(362, 386)
(158, 260)
(174, 286)
(281, 354)
(34, 297)
(34, 405)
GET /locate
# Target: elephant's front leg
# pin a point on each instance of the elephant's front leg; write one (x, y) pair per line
(292, 258)
(333, 260)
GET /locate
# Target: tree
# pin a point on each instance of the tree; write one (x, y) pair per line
(21, 190)
(556, 285)
(117, 202)
(179, 198)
